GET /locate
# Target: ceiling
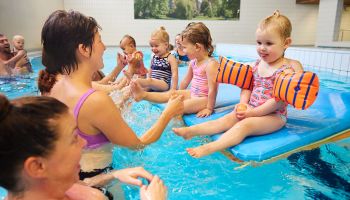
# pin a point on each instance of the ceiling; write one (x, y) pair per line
(346, 2)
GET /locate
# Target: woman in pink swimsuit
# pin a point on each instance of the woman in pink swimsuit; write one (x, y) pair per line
(72, 47)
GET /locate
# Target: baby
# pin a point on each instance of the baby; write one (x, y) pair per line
(24, 66)
(133, 58)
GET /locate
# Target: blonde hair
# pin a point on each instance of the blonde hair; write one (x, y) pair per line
(18, 37)
(279, 23)
(199, 33)
(161, 34)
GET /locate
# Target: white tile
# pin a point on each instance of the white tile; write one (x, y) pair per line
(337, 61)
(345, 61)
(323, 63)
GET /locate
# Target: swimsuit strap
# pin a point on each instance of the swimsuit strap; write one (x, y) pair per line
(81, 101)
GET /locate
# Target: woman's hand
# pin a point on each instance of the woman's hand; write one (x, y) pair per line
(175, 105)
(156, 190)
(130, 175)
(205, 112)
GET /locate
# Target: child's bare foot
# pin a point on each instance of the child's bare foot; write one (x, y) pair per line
(137, 92)
(183, 132)
(198, 152)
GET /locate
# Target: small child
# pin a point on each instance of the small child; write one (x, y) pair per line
(181, 57)
(202, 70)
(163, 74)
(25, 66)
(133, 57)
(262, 114)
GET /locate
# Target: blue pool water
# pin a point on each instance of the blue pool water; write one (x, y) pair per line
(323, 173)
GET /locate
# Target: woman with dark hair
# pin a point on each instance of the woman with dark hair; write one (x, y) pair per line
(72, 47)
(40, 158)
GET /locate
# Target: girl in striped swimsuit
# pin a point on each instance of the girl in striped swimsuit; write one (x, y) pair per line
(163, 74)
(200, 99)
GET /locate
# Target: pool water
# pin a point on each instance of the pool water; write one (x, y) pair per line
(323, 173)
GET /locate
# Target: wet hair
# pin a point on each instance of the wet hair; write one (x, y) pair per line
(161, 34)
(46, 81)
(28, 128)
(277, 22)
(61, 35)
(199, 33)
(130, 38)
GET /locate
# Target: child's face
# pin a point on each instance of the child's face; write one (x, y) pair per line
(189, 49)
(270, 45)
(158, 47)
(18, 43)
(178, 41)
(127, 47)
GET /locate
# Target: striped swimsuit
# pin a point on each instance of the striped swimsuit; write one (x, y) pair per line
(161, 69)
(199, 84)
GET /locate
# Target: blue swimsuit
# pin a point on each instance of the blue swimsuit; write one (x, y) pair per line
(161, 69)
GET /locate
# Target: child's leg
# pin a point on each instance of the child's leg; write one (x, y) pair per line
(195, 104)
(241, 130)
(154, 84)
(208, 128)
(156, 97)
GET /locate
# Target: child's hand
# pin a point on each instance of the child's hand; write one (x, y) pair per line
(204, 113)
(121, 60)
(243, 111)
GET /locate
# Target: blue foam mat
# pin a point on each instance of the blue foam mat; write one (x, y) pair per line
(329, 115)
(227, 94)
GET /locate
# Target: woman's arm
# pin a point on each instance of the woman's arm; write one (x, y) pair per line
(108, 120)
(127, 175)
(174, 72)
(115, 72)
(187, 79)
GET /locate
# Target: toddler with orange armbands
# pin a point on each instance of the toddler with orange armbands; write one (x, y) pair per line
(259, 112)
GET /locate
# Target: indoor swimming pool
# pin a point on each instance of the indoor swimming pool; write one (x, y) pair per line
(322, 173)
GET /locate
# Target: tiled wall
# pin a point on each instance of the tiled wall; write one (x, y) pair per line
(333, 60)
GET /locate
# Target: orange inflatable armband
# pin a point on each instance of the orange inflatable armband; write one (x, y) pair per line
(298, 89)
(235, 73)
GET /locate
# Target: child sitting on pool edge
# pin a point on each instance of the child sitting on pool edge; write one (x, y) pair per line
(263, 114)
(202, 69)
(163, 74)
